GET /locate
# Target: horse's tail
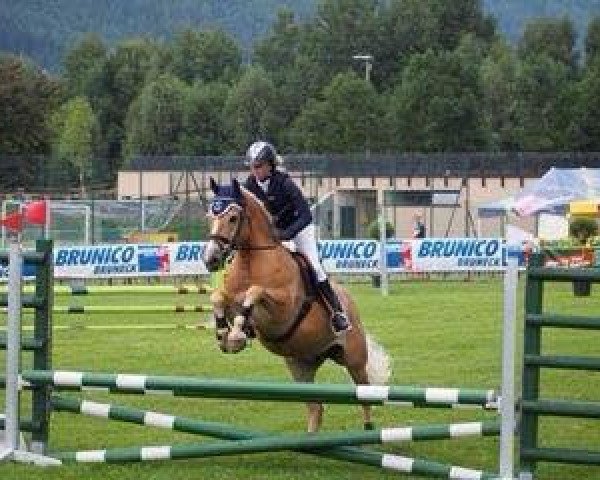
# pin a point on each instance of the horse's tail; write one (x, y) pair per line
(378, 363)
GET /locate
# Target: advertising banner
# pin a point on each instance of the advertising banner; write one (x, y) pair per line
(129, 260)
(455, 254)
(349, 256)
(362, 256)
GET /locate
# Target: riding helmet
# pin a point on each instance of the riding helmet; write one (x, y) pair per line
(260, 152)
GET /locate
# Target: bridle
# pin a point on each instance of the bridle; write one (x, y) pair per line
(230, 244)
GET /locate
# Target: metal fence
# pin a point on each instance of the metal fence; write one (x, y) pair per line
(482, 164)
(91, 221)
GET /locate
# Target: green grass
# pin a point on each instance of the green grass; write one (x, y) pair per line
(437, 333)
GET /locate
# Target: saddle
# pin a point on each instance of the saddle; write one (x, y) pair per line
(309, 276)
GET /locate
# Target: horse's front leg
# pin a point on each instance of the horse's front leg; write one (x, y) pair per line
(242, 322)
(220, 301)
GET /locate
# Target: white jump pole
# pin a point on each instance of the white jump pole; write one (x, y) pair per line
(13, 353)
(507, 399)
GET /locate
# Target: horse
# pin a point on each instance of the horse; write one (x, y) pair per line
(265, 294)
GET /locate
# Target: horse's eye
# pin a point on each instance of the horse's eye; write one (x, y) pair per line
(233, 219)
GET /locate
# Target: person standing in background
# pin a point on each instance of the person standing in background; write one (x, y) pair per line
(418, 227)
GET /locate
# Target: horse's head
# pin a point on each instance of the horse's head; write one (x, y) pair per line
(227, 214)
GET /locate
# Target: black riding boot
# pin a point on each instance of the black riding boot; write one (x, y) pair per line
(339, 320)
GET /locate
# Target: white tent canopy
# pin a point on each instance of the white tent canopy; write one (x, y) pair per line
(556, 189)
(550, 194)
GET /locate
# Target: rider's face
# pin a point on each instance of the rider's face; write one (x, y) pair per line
(261, 170)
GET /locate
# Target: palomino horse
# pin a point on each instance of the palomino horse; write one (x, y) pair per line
(264, 292)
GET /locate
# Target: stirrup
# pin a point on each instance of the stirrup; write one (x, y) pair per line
(340, 323)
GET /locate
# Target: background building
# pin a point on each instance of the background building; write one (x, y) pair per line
(445, 189)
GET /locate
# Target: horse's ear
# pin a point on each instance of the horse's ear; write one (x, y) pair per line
(213, 186)
(237, 191)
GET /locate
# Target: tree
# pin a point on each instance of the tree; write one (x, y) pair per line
(341, 29)
(406, 27)
(587, 108)
(208, 56)
(436, 107)
(545, 103)
(84, 65)
(552, 37)
(297, 76)
(204, 125)
(250, 110)
(458, 17)
(155, 118)
(592, 39)
(346, 120)
(498, 77)
(27, 96)
(77, 137)
(133, 62)
(277, 51)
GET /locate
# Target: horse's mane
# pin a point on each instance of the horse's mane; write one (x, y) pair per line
(255, 202)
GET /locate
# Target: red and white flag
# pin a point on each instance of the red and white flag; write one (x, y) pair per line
(13, 221)
(36, 212)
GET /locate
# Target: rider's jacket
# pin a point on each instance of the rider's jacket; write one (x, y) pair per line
(285, 203)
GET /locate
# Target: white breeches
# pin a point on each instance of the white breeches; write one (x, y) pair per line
(306, 243)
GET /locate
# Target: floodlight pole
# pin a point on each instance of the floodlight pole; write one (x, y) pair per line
(368, 59)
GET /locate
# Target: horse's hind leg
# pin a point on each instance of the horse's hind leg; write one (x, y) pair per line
(304, 371)
(360, 377)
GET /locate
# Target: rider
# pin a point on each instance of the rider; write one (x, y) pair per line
(292, 217)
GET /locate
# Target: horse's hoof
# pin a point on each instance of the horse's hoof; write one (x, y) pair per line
(369, 426)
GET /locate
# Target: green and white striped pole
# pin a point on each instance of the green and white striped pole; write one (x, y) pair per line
(361, 437)
(253, 442)
(235, 389)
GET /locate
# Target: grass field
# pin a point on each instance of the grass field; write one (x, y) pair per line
(437, 333)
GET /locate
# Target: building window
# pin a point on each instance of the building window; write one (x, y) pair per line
(483, 182)
(521, 182)
(446, 182)
(501, 182)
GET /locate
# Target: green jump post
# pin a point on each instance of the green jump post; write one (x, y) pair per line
(534, 290)
(42, 358)
(533, 361)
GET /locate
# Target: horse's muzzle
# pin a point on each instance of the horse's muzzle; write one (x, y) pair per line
(214, 255)
(231, 346)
